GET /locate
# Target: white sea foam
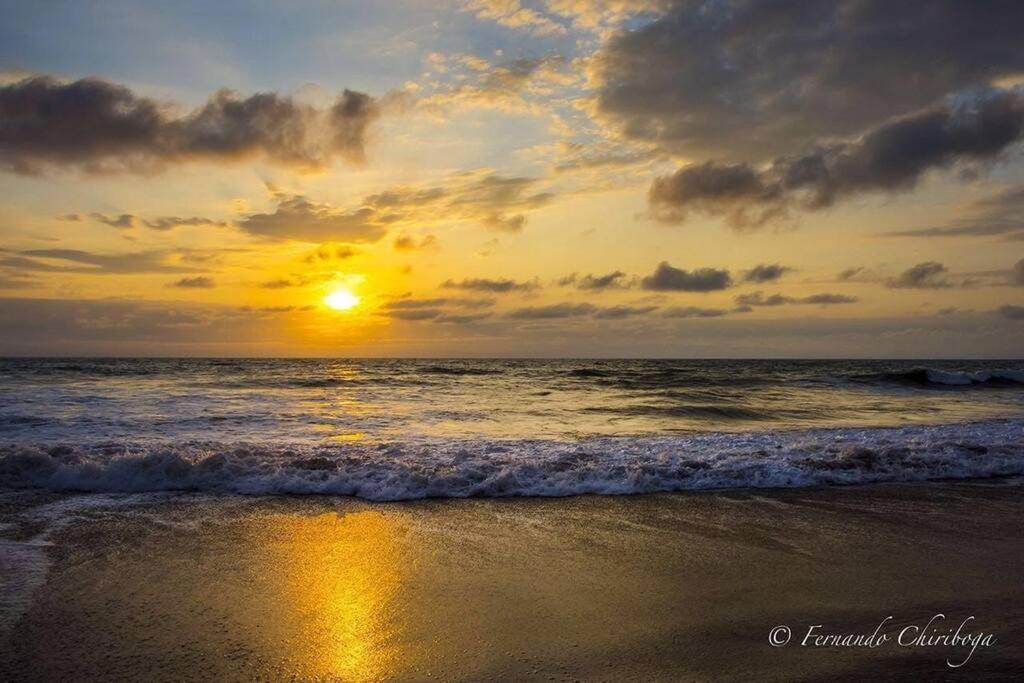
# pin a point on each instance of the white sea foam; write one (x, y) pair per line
(462, 468)
(977, 377)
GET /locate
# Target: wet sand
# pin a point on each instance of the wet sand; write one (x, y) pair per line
(661, 587)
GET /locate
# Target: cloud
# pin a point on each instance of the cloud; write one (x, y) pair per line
(611, 280)
(491, 198)
(668, 279)
(409, 304)
(414, 313)
(512, 14)
(759, 299)
(461, 318)
(297, 217)
(1017, 274)
(579, 159)
(825, 299)
(115, 327)
(889, 158)
(276, 309)
(195, 283)
(408, 243)
(280, 283)
(494, 201)
(828, 299)
(78, 261)
(518, 85)
(487, 285)
(694, 312)
(1011, 312)
(619, 312)
(326, 253)
(438, 310)
(765, 272)
(171, 222)
(850, 273)
(926, 275)
(745, 80)
(126, 221)
(1001, 213)
(552, 311)
(98, 126)
(122, 222)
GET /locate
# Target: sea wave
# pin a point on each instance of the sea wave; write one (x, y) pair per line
(456, 469)
(949, 378)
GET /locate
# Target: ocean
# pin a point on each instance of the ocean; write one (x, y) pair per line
(388, 430)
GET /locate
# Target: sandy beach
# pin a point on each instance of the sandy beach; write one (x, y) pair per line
(683, 586)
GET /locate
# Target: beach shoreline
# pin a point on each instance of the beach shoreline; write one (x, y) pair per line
(674, 586)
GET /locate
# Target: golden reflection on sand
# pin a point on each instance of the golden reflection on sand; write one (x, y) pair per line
(336, 578)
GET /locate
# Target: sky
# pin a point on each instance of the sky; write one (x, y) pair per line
(558, 178)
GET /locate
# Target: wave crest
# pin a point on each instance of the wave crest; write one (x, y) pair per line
(458, 469)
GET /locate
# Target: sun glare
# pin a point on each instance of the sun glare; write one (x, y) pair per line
(341, 300)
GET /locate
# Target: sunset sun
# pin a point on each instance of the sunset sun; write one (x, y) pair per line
(341, 300)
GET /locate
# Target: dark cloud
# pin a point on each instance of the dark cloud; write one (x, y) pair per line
(1017, 274)
(668, 279)
(695, 312)
(553, 311)
(613, 280)
(759, 299)
(999, 214)
(171, 222)
(196, 283)
(766, 272)
(78, 261)
(461, 318)
(850, 273)
(746, 80)
(122, 222)
(1011, 312)
(889, 158)
(828, 299)
(125, 221)
(825, 299)
(414, 313)
(98, 126)
(281, 283)
(487, 285)
(927, 275)
(408, 304)
(438, 309)
(619, 312)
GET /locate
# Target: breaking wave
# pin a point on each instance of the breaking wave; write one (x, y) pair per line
(459, 468)
(950, 378)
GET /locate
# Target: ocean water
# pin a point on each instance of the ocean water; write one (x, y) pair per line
(404, 429)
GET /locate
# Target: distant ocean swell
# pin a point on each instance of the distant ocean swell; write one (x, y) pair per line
(645, 375)
(460, 468)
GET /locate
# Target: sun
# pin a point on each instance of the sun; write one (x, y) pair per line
(341, 300)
